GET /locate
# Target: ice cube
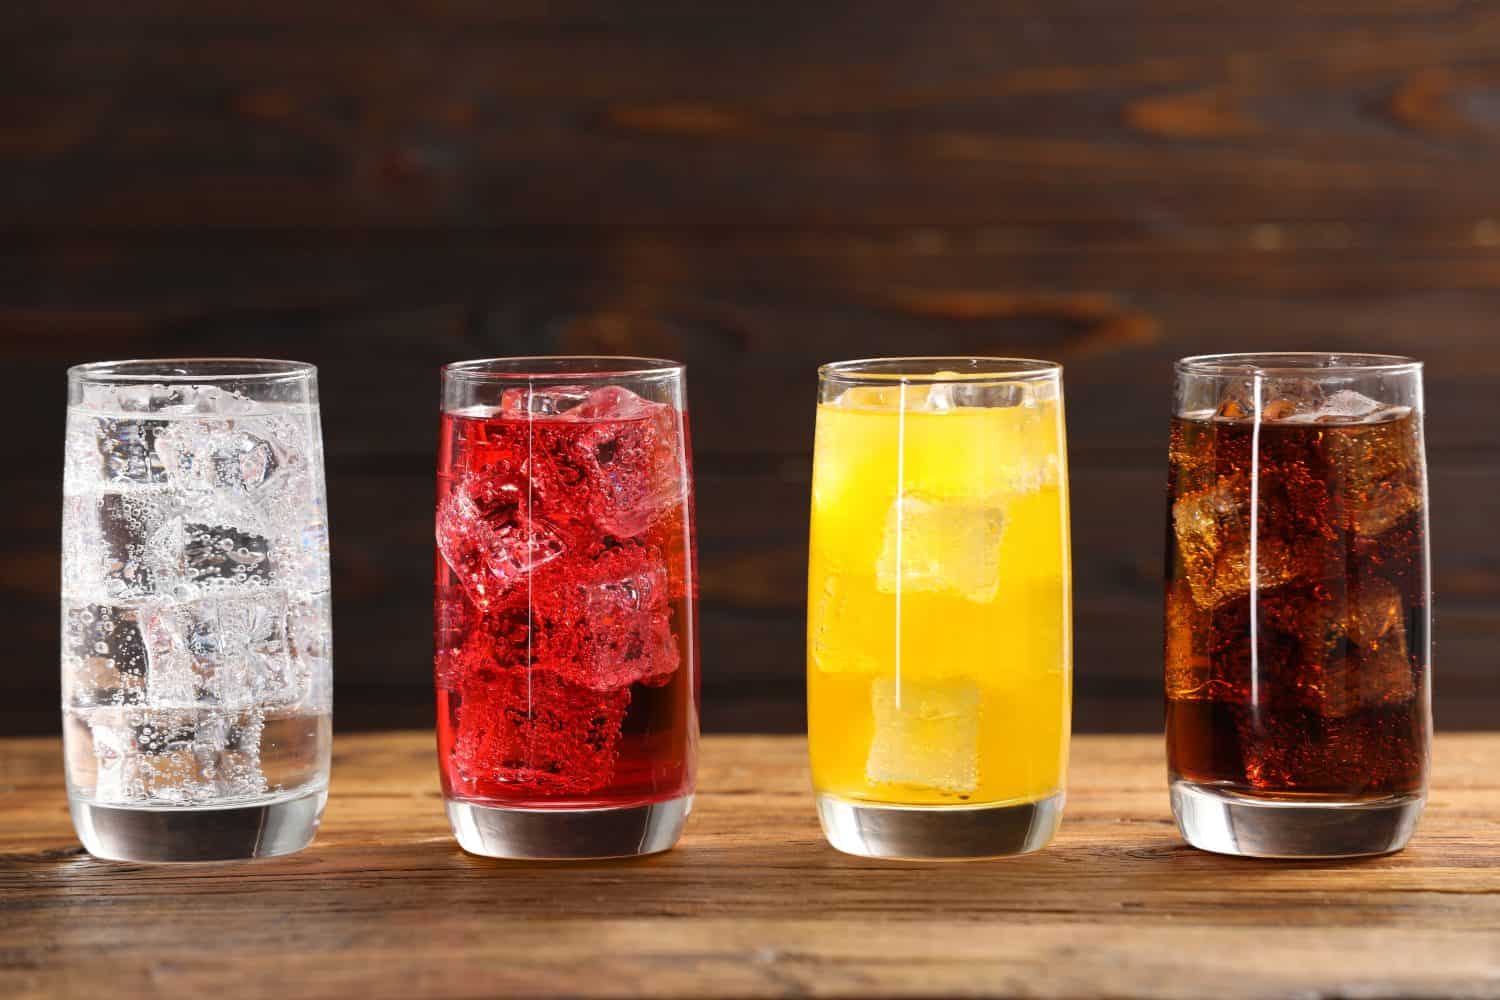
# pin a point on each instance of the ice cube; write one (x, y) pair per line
(309, 639)
(1347, 405)
(207, 550)
(217, 455)
(299, 548)
(1375, 611)
(1297, 401)
(104, 654)
(489, 536)
(1343, 755)
(896, 397)
(1231, 408)
(928, 737)
(850, 633)
(545, 401)
(1351, 646)
(622, 620)
(1212, 528)
(1352, 678)
(128, 449)
(940, 398)
(172, 400)
(1291, 399)
(1386, 505)
(105, 540)
(224, 651)
(175, 757)
(602, 623)
(109, 450)
(853, 629)
(148, 398)
(991, 395)
(83, 464)
(1387, 674)
(1271, 399)
(1380, 471)
(876, 397)
(532, 730)
(1293, 541)
(239, 770)
(628, 456)
(218, 555)
(1188, 664)
(455, 619)
(449, 664)
(950, 545)
(154, 757)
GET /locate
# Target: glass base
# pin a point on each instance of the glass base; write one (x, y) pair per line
(938, 833)
(567, 834)
(1222, 821)
(167, 834)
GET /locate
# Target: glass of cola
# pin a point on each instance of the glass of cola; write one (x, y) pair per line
(1298, 610)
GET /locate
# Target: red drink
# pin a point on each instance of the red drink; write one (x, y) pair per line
(565, 631)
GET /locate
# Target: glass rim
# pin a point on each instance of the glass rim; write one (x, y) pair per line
(1304, 363)
(941, 369)
(183, 371)
(580, 367)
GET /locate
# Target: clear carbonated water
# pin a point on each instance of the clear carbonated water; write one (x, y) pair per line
(196, 644)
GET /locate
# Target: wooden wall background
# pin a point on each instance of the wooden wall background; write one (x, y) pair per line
(754, 189)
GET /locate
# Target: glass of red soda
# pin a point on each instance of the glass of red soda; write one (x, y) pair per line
(565, 606)
(1298, 609)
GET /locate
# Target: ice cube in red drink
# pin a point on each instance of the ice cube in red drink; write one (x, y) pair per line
(562, 599)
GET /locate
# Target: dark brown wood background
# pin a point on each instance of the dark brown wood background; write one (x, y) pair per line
(754, 189)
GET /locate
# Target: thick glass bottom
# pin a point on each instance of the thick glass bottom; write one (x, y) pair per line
(1225, 822)
(167, 834)
(568, 834)
(938, 833)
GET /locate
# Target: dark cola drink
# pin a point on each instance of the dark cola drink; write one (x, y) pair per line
(1297, 615)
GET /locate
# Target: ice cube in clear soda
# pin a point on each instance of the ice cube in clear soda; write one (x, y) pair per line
(196, 645)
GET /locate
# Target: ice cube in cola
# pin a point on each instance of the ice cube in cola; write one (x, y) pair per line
(1295, 660)
(561, 600)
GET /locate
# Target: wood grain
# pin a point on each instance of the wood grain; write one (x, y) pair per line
(753, 902)
(688, 114)
(754, 190)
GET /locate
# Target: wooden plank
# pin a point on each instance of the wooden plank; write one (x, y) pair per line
(754, 314)
(385, 904)
(225, 17)
(842, 115)
(752, 352)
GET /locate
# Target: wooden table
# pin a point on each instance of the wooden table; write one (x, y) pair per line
(753, 902)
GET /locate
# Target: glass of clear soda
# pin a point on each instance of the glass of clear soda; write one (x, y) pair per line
(196, 635)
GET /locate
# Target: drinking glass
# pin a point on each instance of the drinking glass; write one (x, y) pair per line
(565, 606)
(939, 624)
(196, 641)
(1298, 616)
